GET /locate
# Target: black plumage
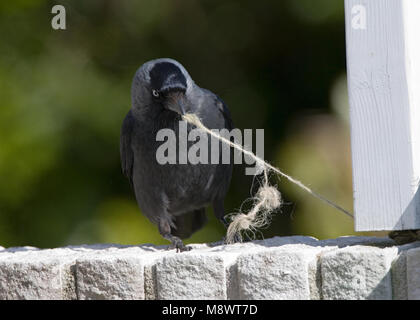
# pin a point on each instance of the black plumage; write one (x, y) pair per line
(172, 196)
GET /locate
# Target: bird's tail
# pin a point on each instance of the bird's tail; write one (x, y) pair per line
(189, 223)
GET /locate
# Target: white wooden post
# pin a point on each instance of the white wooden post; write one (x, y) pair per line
(383, 72)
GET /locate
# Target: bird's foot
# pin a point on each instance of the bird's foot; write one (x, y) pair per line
(178, 245)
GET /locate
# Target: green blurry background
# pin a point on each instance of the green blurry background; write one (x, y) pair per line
(279, 65)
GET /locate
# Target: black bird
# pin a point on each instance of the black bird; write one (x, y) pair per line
(172, 196)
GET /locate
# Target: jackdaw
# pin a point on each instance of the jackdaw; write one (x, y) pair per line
(172, 196)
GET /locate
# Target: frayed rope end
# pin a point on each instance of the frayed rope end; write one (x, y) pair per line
(268, 199)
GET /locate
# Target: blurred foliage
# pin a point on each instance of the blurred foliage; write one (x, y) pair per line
(279, 65)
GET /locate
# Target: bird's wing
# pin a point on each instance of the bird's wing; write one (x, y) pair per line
(215, 100)
(225, 112)
(127, 156)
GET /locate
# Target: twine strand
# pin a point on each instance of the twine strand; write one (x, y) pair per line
(268, 198)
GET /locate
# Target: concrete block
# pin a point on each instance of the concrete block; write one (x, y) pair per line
(413, 274)
(357, 272)
(192, 275)
(399, 272)
(40, 274)
(288, 272)
(294, 267)
(117, 272)
(110, 277)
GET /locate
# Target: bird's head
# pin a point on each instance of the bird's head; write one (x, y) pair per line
(164, 83)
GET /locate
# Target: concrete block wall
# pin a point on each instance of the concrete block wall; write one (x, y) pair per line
(278, 268)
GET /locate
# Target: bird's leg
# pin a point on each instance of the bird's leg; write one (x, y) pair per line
(176, 243)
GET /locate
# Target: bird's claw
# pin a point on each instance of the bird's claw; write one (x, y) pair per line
(179, 246)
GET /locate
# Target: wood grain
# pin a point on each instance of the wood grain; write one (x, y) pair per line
(383, 78)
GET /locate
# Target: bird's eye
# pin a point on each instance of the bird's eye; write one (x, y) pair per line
(155, 93)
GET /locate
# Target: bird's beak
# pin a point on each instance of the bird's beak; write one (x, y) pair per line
(176, 102)
(181, 107)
